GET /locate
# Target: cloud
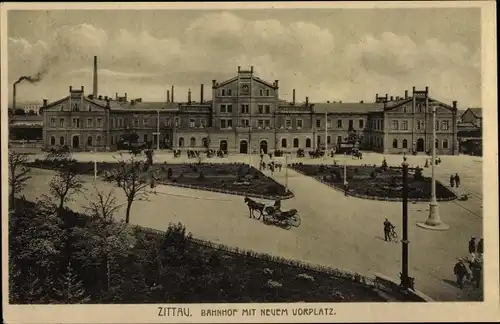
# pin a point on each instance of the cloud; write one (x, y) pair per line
(301, 55)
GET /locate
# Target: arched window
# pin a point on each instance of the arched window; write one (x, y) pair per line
(61, 140)
(192, 142)
(405, 143)
(89, 141)
(437, 143)
(328, 139)
(181, 141)
(445, 143)
(295, 142)
(395, 143)
(283, 142)
(339, 139)
(98, 140)
(308, 142)
(52, 140)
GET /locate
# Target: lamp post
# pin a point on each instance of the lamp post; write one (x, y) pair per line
(157, 130)
(326, 134)
(286, 173)
(95, 165)
(433, 221)
(406, 281)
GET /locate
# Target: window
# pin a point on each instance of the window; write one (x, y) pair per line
(318, 123)
(404, 125)
(89, 107)
(437, 143)
(339, 123)
(52, 140)
(99, 122)
(244, 109)
(267, 123)
(192, 142)
(261, 109)
(229, 108)
(267, 92)
(395, 125)
(318, 140)
(145, 121)
(405, 143)
(395, 143)
(228, 92)
(89, 141)
(145, 138)
(267, 109)
(229, 123)
(75, 107)
(181, 141)
(61, 140)
(76, 122)
(361, 123)
(52, 122)
(437, 124)
(308, 142)
(339, 139)
(192, 123)
(61, 122)
(295, 142)
(404, 109)
(223, 108)
(283, 142)
(261, 93)
(419, 107)
(260, 123)
(202, 123)
(177, 121)
(89, 122)
(288, 123)
(329, 123)
(245, 122)
(168, 122)
(223, 92)
(351, 124)
(445, 125)
(445, 143)
(328, 139)
(419, 125)
(299, 123)
(223, 123)
(136, 122)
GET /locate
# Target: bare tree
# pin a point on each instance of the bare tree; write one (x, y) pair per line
(18, 174)
(102, 205)
(65, 184)
(130, 177)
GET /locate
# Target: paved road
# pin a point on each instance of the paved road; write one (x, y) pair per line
(344, 232)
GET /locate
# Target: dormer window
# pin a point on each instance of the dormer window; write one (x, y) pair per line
(223, 92)
(267, 93)
(75, 107)
(228, 92)
(261, 92)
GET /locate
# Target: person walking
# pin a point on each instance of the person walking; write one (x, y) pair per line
(457, 180)
(452, 180)
(480, 246)
(387, 230)
(460, 272)
(346, 188)
(476, 268)
(472, 247)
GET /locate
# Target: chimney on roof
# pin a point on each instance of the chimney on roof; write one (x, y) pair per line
(340, 101)
(293, 97)
(214, 83)
(94, 85)
(168, 95)
(426, 89)
(106, 98)
(189, 96)
(276, 83)
(392, 98)
(45, 102)
(454, 104)
(386, 97)
(376, 97)
(239, 69)
(70, 88)
(116, 95)
(100, 97)
(125, 96)
(132, 102)
(201, 93)
(307, 100)
(406, 94)
(82, 88)
(413, 89)
(361, 101)
(107, 102)
(172, 94)
(328, 101)
(251, 69)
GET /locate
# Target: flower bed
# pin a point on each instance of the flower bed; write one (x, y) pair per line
(372, 182)
(233, 178)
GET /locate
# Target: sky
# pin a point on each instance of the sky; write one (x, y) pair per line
(329, 54)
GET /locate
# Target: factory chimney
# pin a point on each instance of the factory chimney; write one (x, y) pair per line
(168, 95)
(189, 96)
(201, 93)
(14, 94)
(293, 97)
(172, 94)
(95, 92)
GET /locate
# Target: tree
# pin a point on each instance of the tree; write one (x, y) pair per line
(130, 138)
(65, 183)
(102, 205)
(353, 137)
(70, 289)
(129, 176)
(18, 174)
(31, 113)
(20, 112)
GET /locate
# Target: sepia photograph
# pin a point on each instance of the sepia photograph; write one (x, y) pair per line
(240, 162)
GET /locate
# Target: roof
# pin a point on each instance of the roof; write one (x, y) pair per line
(460, 112)
(478, 112)
(32, 118)
(394, 103)
(348, 108)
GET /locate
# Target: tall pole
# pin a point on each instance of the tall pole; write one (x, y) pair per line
(95, 165)
(158, 130)
(405, 281)
(345, 169)
(326, 132)
(433, 222)
(286, 173)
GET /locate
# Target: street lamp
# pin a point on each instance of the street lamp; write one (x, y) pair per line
(95, 165)
(286, 173)
(406, 281)
(157, 130)
(433, 221)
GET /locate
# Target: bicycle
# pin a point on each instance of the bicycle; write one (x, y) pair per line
(393, 236)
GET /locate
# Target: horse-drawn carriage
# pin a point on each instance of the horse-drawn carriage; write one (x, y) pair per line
(271, 215)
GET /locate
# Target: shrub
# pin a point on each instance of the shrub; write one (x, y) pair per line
(373, 175)
(201, 176)
(169, 173)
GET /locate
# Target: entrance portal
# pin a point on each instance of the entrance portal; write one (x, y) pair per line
(223, 146)
(420, 145)
(76, 141)
(263, 147)
(243, 147)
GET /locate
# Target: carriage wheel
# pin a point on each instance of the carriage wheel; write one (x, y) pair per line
(295, 221)
(259, 216)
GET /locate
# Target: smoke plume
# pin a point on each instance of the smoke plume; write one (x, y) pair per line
(31, 79)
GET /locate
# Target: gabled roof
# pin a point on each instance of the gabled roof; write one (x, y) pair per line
(396, 103)
(478, 112)
(254, 78)
(348, 107)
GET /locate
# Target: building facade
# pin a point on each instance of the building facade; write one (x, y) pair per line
(246, 115)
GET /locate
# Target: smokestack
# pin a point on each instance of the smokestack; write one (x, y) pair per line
(201, 93)
(307, 100)
(172, 94)
(251, 69)
(392, 98)
(413, 89)
(455, 104)
(426, 89)
(168, 95)
(189, 96)
(406, 94)
(94, 90)
(14, 94)
(44, 102)
(293, 97)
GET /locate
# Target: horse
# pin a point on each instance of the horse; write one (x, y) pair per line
(254, 205)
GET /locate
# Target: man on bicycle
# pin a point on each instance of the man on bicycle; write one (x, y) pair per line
(388, 227)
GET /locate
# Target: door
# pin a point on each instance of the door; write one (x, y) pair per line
(223, 145)
(420, 145)
(263, 147)
(243, 146)
(76, 141)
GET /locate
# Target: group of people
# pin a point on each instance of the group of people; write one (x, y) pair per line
(455, 180)
(471, 268)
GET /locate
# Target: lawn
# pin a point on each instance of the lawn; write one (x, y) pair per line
(375, 182)
(68, 258)
(234, 178)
